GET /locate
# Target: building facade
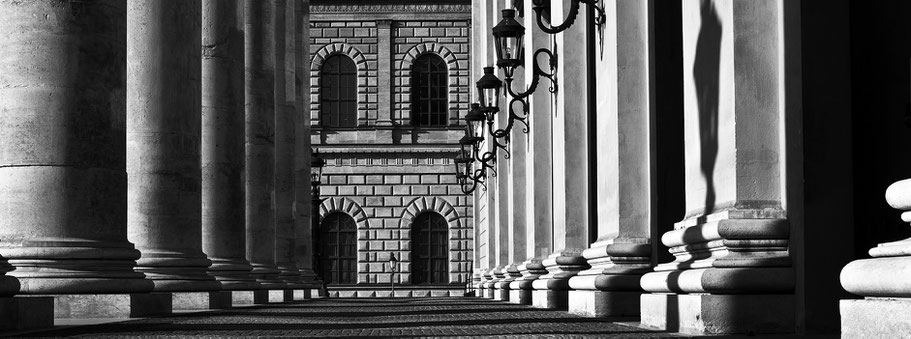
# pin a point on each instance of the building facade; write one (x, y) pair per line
(389, 85)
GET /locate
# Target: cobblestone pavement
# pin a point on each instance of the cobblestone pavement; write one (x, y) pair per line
(413, 317)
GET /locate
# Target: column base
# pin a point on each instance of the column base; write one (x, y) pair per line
(719, 314)
(83, 306)
(521, 297)
(875, 318)
(249, 297)
(590, 303)
(551, 299)
(23, 313)
(187, 301)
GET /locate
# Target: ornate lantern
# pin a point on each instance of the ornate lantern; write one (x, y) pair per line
(489, 91)
(509, 38)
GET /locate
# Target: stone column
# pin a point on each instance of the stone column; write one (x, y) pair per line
(625, 129)
(302, 218)
(883, 281)
(516, 183)
(285, 137)
(732, 272)
(259, 92)
(223, 143)
(62, 155)
(538, 172)
(570, 165)
(163, 155)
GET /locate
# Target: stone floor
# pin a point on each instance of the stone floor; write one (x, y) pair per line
(412, 317)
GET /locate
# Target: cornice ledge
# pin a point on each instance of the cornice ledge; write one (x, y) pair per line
(391, 8)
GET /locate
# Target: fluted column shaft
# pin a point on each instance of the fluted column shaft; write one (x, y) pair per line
(259, 59)
(163, 138)
(224, 238)
(63, 182)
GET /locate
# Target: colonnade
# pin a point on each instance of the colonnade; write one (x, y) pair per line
(152, 151)
(587, 171)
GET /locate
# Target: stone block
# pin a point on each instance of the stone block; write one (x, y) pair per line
(81, 306)
(875, 318)
(439, 293)
(420, 190)
(346, 32)
(279, 296)
(402, 294)
(393, 201)
(346, 190)
(249, 297)
(366, 294)
(22, 313)
(521, 297)
(382, 190)
(438, 190)
(550, 299)
(383, 294)
(383, 212)
(719, 314)
(374, 179)
(411, 179)
(430, 179)
(374, 201)
(201, 300)
(338, 180)
(590, 303)
(393, 179)
(391, 245)
(401, 190)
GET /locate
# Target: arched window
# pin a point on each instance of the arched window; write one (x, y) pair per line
(429, 91)
(338, 92)
(338, 249)
(429, 249)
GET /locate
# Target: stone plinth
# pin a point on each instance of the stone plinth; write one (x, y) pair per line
(26, 313)
(719, 314)
(280, 296)
(604, 303)
(84, 306)
(875, 318)
(557, 300)
(201, 300)
(885, 281)
(249, 297)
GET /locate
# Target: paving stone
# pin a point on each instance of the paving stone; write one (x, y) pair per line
(359, 317)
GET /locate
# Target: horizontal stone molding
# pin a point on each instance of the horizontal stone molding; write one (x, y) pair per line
(390, 8)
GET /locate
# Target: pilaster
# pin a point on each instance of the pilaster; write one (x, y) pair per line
(384, 67)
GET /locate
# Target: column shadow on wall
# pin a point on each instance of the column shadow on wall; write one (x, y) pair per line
(706, 78)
